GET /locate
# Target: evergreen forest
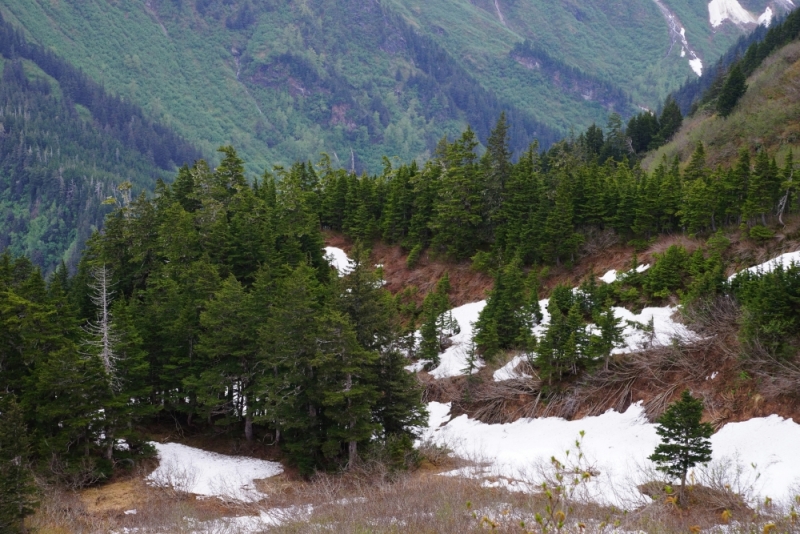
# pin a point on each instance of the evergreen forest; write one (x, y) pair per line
(207, 302)
(67, 148)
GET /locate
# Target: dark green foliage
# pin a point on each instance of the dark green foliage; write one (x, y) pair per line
(668, 273)
(670, 121)
(224, 312)
(511, 312)
(684, 439)
(732, 90)
(567, 347)
(18, 490)
(437, 323)
(771, 309)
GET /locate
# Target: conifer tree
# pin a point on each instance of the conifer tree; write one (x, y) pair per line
(289, 342)
(227, 387)
(670, 122)
(18, 489)
(496, 168)
(732, 90)
(561, 240)
(435, 304)
(460, 205)
(760, 190)
(506, 320)
(346, 387)
(684, 439)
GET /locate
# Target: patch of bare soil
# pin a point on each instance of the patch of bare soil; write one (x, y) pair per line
(468, 285)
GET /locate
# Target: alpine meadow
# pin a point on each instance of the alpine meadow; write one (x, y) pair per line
(399, 266)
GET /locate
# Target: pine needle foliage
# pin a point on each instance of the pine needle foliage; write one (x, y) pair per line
(685, 440)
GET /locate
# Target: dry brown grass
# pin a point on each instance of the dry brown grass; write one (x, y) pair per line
(371, 499)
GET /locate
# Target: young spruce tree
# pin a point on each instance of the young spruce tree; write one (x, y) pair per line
(684, 439)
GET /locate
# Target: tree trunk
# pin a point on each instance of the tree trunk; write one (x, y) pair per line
(110, 447)
(682, 492)
(248, 427)
(352, 453)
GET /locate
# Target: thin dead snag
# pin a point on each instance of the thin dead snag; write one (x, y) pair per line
(102, 336)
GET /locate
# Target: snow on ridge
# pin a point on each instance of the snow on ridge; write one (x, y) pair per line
(784, 260)
(721, 10)
(766, 17)
(210, 474)
(678, 32)
(617, 445)
(338, 259)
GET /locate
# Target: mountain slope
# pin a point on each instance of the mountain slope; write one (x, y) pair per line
(766, 117)
(65, 147)
(359, 80)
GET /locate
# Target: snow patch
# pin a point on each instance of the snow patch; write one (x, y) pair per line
(766, 17)
(509, 371)
(617, 446)
(721, 10)
(636, 328)
(453, 361)
(610, 277)
(338, 259)
(210, 474)
(697, 65)
(784, 260)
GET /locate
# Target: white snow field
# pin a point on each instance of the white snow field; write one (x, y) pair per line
(721, 10)
(338, 259)
(210, 474)
(453, 360)
(784, 260)
(616, 447)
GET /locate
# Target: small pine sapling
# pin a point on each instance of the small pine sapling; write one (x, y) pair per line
(684, 440)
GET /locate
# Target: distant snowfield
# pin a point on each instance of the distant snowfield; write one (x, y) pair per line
(616, 446)
(210, 474)
(721, 10)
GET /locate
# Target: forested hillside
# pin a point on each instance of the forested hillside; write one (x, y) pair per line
(359, 80)
(66, 146)
(207, 306)
(752, 101)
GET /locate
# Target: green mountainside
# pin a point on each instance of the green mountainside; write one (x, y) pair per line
(66, 148)
(764, 118)
(285, 81)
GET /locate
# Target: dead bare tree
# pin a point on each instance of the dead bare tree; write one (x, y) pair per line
(102, 336)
